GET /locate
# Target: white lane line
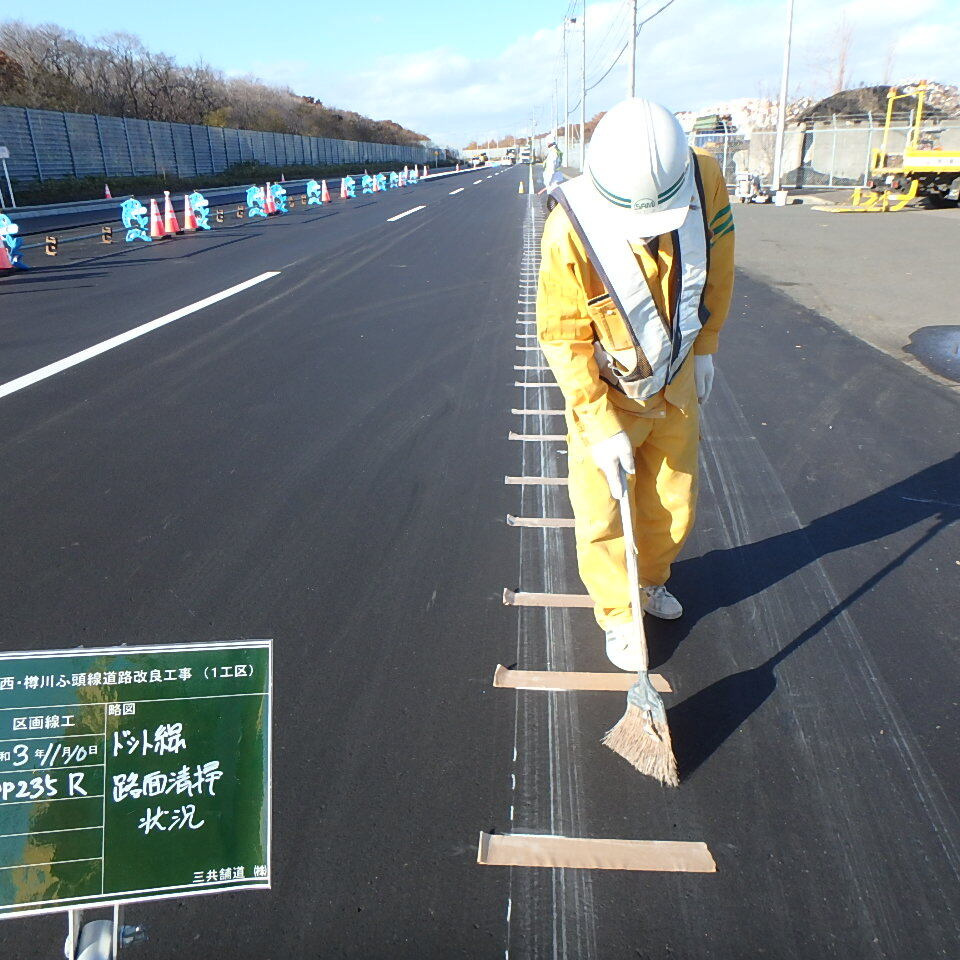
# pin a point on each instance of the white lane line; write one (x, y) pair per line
(453, 193)
(475, 182)
(28, 379)
(406, 213)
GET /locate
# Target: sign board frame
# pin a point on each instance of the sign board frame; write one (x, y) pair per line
(219, 674)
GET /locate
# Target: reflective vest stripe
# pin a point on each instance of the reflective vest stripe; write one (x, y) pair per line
(662, 343)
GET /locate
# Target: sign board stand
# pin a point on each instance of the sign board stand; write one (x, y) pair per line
(99, 939)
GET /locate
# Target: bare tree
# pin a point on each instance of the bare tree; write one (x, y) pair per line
(49, 67)
(888, 61)
(843, 42)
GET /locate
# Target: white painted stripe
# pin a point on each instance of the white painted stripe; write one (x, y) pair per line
(475, 182)
(406, 213)
(453, 193)
(28, 379)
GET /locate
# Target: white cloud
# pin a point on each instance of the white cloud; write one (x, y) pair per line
(696, 53)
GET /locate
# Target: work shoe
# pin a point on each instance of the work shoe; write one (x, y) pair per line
(659, 602)
(623, 648)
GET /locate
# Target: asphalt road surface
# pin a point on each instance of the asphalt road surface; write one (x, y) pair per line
(320, 459)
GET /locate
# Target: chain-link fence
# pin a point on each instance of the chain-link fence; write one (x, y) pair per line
(48, 145)
(823, 155)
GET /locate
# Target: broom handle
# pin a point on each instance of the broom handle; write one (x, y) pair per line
(633, 576)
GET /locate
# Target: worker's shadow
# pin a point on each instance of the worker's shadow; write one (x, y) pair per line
(705, 720)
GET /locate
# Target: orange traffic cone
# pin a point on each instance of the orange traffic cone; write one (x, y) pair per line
(324, 192)
(107, 195)
(426, 170)
(5, 262)
(283, 179)
(156, 224)
(269, 203)
(189, 218)
(458, 169)
(343, 189)
(170, 224)
(376, 183)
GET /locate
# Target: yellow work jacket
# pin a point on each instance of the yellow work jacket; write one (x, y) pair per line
(568, 324)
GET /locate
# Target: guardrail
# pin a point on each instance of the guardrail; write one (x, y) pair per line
(44, 218)
(225, 204)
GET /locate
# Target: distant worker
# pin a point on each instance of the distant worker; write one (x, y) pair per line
(636, 275)
(552, 174)
(551, 163)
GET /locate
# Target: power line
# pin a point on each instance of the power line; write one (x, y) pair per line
(615, 23)
(623, 49)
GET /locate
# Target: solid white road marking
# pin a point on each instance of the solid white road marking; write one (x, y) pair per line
(406, 213)
(458, 190)
(475, 182)
(12, 386)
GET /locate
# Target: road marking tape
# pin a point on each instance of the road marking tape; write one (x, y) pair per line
(539, 850)
(551, 522)
(475, 182)
(519, 598)
(406, 213)
(531, 385)
(536, 437)
(536, 481)
(453, 193)
(12, 386)
(571, 680)
(548, 413)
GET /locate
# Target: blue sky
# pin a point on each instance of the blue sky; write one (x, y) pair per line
(456, 72)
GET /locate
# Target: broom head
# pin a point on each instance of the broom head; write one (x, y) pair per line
(642, 736)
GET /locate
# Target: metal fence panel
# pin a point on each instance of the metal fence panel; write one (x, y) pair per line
(15, 135)
(83, 144)
(116, 154)
(182, 149)
(202, 154)
(824, 155)
(141, 146)
(49, 135)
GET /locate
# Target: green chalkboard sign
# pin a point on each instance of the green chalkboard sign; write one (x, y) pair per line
(129, 773)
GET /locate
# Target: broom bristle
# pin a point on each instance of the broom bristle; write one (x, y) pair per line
(645, 743)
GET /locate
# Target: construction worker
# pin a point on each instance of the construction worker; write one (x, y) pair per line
(635, 282)
(551, 163)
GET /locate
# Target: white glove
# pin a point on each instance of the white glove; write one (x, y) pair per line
(612, 454)
(703, 375)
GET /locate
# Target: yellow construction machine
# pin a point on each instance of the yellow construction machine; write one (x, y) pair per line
(922, 170)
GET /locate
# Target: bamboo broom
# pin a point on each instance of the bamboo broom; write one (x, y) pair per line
(642, 735)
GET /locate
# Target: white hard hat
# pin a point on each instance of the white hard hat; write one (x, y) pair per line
(639, 162)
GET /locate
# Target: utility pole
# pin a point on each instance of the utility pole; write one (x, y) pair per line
(583, 86)
(782, 106)
(556, 117)
(566, 95)
(632, 58)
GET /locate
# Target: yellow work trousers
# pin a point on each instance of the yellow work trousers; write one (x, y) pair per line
(664, 495)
